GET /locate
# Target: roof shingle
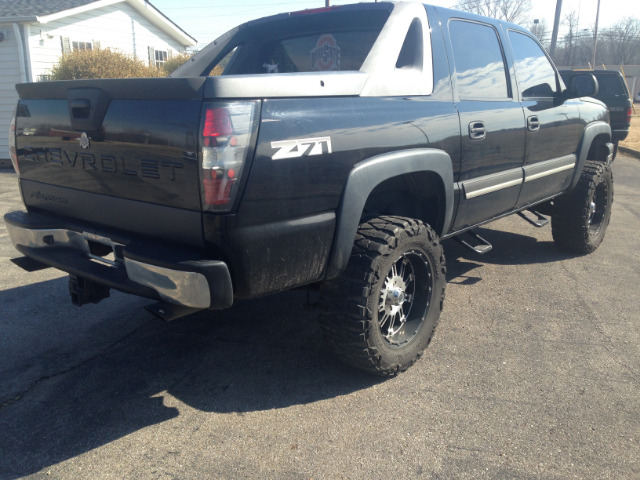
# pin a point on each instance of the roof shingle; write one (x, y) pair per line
(27, 8)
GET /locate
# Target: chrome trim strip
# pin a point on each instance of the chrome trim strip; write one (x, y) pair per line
(190, 289)
(479, 186)
(549, 167)
(492, 183)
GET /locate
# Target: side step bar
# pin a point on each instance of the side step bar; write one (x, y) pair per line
(540, 220)
(480, 245)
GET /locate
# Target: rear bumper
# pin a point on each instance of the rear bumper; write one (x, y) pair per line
(619, 134)
(174, 275)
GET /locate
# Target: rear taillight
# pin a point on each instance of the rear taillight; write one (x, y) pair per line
(217, 122)
(225, 141)
(629, 113)
(12, 144)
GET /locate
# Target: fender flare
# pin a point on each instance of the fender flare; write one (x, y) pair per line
(367, 175)
(591, 131)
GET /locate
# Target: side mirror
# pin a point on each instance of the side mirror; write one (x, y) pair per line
(582, 85)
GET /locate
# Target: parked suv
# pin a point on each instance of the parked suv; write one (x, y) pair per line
(613, 92)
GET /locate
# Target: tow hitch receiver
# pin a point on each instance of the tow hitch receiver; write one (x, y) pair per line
(85, 291)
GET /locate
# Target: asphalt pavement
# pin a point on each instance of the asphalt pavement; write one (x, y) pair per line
(534, 372)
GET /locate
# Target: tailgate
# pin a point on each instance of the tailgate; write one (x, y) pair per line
(118, 153)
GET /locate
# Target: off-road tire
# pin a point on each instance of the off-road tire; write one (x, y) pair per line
(581, 217)
(397, 269)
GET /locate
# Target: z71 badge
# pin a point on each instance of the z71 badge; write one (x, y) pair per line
(301, 147)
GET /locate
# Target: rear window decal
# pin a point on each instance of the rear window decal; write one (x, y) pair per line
(326, 54)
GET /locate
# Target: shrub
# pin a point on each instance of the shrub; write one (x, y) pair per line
(99, 63)
(174, 62)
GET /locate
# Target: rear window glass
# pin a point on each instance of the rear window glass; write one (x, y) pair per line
(318, 52)
(331, 41)
(610, 85)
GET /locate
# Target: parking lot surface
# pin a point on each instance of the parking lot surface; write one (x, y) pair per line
(534, 372)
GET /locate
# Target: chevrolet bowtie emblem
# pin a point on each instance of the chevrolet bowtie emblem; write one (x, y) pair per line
(85, 142)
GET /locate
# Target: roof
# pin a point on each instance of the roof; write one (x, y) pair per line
(28, 8)
(44, 11)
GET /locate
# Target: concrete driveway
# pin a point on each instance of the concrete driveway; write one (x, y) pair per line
(533, 373)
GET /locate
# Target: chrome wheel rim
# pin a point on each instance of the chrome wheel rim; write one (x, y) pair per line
(597, 208)
(405, 297)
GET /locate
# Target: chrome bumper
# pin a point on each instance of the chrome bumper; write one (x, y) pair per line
(189, 289)
(181, 280)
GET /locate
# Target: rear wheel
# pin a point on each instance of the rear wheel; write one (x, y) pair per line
(381, 313)
(581, 217)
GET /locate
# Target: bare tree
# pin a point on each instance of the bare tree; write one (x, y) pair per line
(571, 22)
(515, 11)
(576, 47)
(541, 31)
(621, 43)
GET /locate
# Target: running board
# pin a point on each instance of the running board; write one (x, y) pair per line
(481, 245)
(540, 220)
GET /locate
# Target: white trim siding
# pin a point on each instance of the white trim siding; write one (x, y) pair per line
(12, 71)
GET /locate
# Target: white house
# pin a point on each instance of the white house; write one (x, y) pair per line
(35, 33)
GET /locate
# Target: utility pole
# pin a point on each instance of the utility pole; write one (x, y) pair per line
(556, 26)
(327, 3)
(595, 37)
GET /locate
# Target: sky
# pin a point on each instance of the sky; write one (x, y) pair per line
(205, 20)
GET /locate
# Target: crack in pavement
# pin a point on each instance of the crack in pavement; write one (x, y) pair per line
(36, 382)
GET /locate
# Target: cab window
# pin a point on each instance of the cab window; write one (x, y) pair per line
(480, 69)
(535, 74)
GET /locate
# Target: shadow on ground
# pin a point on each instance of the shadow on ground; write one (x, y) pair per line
(508, 249)
(262, 354)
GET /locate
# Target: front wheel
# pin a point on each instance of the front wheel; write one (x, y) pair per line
(581, 217)
(381, 313)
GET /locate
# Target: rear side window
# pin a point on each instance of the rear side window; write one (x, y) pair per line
(411, 54)
(479, 62)
(535, 75)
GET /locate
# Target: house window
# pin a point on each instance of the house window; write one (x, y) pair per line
(68, 46)
(81, 46)
(161, 58)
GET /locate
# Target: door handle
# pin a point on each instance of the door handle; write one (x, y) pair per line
(477, 130)
(80, 108)
(533, 123)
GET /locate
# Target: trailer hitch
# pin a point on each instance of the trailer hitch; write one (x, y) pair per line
(85, 291)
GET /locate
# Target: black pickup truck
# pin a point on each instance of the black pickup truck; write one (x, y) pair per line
(336, 147)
